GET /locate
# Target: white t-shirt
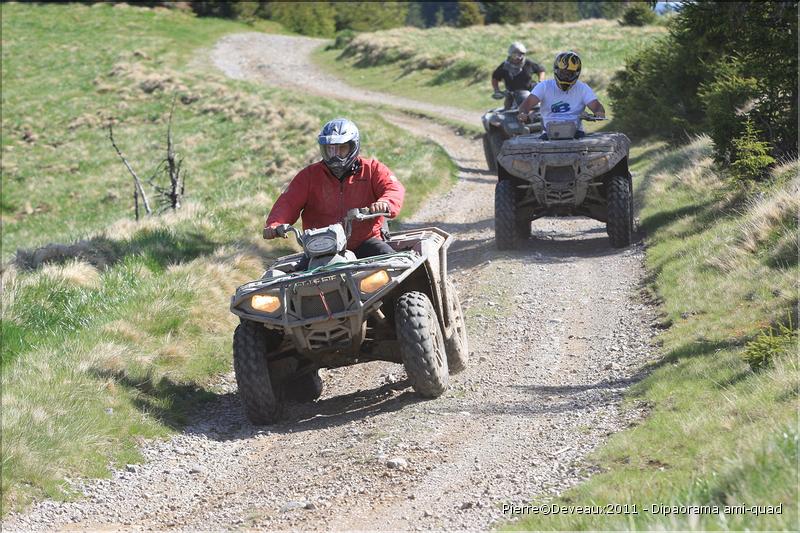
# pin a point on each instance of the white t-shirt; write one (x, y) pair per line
(558, 105)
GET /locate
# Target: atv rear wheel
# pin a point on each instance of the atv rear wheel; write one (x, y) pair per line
(421, 345)
(491, 159)
(619, 224)
(251, 344)
(305, 388)
(456, 346)
(508, 232)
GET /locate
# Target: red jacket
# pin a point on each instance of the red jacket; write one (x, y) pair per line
(324, 200)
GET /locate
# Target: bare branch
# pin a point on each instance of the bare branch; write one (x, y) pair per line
(136, 180)
(174, 177)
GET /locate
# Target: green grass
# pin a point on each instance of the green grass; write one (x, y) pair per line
(119, 334)
(717, 432)
(453, 66)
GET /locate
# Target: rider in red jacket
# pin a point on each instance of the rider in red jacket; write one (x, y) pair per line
(322, 192)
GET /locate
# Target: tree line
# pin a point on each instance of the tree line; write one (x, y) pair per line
(726, 69)
(325, 19)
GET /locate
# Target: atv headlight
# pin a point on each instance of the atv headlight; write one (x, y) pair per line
(522, 166)
(374, 281)
(267, 303)
(597, 162)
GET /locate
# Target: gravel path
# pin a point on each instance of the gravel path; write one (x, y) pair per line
(557, 333)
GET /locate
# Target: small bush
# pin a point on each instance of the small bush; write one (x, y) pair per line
(469, 14)
(638, 15)
(343, 38)
(728, 101)
(769, 344)
(309, 18)
(752, 155)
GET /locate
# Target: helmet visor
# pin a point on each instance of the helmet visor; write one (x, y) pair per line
(341, 151)
(564, 74)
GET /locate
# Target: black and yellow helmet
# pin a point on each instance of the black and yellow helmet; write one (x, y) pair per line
(566, 69)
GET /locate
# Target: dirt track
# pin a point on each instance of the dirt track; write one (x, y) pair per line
(557, 333)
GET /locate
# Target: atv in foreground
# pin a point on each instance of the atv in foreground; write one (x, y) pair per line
(563, 176)
(502, 123)
(339, 311)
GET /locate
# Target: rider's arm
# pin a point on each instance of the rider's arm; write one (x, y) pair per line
(387, 188)
(530, 102)
(597, 108)
(541, 75)
(290, 203)
(497, 75)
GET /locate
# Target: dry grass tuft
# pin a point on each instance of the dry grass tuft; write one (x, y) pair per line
(771, 214)
(124, 330)
(75, 272)
(111, 356)
(96, 252)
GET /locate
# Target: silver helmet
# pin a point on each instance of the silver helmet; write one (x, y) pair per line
(339, 144)
(516, 53)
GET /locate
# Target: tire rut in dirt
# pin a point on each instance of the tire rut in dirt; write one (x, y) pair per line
(421, 344)
(251, 343)
(620, 212)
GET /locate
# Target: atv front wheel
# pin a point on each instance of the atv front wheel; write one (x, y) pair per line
(421, 345)
(251, 343)
(508, 232)
(496, 140)
(491, 159)
(619, 224)
(456, 346)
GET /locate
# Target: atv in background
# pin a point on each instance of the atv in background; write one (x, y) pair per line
(339, 311)
(563, 176)
(502, 123)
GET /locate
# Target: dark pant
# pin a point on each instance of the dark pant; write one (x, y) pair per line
(371, 247)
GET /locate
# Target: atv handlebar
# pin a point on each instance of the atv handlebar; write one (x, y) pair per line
(592, 118)
(362, 213)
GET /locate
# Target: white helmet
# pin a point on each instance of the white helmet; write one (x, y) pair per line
(516, 53)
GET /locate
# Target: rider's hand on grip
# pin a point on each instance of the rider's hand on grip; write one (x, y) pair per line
(269, 233)
(498, 95)
(379, 207)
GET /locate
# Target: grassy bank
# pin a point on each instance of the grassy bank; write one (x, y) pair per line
(453, 66)
(724, 265)
(116, 329)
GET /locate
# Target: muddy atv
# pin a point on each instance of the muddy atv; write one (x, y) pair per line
(563, 176)
(502, 123)
(339, 311)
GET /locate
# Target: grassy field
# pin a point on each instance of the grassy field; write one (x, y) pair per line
(113, 331)
(724, 266)
(453, 66)
(119, 337)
